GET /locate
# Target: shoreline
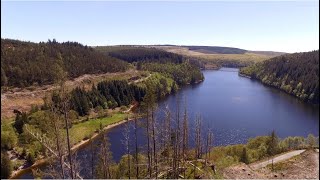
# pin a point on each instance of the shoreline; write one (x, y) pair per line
(243, 75)
(17, 173)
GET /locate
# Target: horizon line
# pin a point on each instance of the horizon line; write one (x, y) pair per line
(181, 45)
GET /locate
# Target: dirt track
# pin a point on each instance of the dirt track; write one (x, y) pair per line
(301, 166)
(277, 159)
(23, 99)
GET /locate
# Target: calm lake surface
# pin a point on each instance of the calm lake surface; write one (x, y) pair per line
(236, 108)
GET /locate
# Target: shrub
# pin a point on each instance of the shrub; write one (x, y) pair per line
(244, 156)
(9, 137)
(30, 158)
(6, 167)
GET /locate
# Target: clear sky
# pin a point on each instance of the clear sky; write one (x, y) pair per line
(288, 26)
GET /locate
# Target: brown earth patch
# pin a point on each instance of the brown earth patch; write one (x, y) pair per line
(23, 99)
(303, 166)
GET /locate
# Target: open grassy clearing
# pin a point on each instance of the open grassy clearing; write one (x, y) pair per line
(86, 129)
(220, 59)
(211, 57)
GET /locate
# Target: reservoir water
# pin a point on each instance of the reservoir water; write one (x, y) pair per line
(236, 108)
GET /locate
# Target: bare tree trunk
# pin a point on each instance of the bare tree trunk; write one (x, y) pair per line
(60, 153)
(136, 143)
(92, 158)
(126, 134)
(58, 143)
(178, 139)
(76, 166)
(64, 109)
(105, 158)
(154, 141)
(198, 137)
(185, 133)
(207, 147)
(210, 142)
(167, 131)
(68, 138)
(148, 141)
(174, 158)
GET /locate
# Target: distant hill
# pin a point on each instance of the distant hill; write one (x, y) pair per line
(182, 70)
(268, 53)
(26, 63)
(221, 50)
(139, 53)
(213, 57)
(216, 50)
(297, 74)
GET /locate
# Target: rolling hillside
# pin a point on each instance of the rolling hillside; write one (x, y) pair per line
(297, 74)
(26, 63)
(212, 57)
(172, 65)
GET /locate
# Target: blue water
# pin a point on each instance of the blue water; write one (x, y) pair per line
(236, 108)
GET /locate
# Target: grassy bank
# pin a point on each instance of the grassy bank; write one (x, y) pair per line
(85, 130)
(80, 134)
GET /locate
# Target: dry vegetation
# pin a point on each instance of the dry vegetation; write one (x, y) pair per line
(211, 59)
(304, 166)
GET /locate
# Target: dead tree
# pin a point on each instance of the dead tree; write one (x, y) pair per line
(76, 165)
(210, 141)
(185, 138)
(177, 140)
(46, 143)
(198, 137)
(167, 132)
(148, 104)
(208, 145)
(65, 102)
(154, 140)
(136, 144)
(92, 157)
(148, 142)
(105, 159)
(126, 142)
(56, 127)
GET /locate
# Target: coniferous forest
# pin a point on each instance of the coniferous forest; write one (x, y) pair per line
(107, 94)
(297, 74)
(181, 69)
(158, 90)
(136, 54)
(25, 63)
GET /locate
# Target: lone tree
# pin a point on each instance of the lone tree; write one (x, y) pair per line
(244, 156)
(311, 141)
(6, 167)
(273, 147)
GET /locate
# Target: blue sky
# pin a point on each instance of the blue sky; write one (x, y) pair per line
(289, 26)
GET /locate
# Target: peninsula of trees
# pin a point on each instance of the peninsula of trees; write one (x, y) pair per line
(296, 74)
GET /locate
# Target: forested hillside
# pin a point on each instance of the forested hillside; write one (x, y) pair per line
(296, 74)
(107, 94)
(183, 74)
(25, 63)
(137, 54)
(181, 69)
(214, 57)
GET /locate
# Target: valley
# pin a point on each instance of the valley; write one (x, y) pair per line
(107, 109)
